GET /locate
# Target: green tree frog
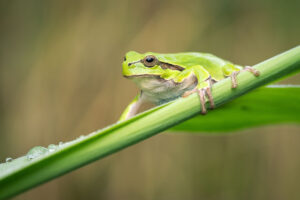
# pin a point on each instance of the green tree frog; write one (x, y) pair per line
(165, 77)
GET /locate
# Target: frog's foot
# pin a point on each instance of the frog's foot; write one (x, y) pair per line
(202, 92)
(252, 70)
(233, 79)
(210, 97)
(235, 73)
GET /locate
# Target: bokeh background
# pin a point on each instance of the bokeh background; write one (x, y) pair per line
(60, 77)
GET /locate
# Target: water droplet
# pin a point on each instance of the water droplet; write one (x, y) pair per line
(52, 147)
(36, 152)
(60, 143)
(9, 159)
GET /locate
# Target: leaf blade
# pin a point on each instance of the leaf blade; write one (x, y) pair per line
(264, 106)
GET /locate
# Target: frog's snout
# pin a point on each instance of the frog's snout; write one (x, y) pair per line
(134, 62)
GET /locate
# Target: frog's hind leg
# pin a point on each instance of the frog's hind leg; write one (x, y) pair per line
(252, 70)
(233, 71)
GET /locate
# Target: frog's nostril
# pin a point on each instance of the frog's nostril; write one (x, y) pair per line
(133, 62)
(124, 58)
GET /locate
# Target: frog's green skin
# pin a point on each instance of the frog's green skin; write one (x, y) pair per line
(172, 76)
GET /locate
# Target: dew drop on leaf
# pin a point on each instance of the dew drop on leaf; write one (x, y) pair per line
(36, 152)
(52, 147)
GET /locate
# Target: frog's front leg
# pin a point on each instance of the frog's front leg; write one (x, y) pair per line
(203, 87)
(132, 108)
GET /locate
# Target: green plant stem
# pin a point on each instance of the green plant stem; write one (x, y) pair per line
(104, 142)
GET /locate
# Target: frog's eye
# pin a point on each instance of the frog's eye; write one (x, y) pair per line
(150, 61)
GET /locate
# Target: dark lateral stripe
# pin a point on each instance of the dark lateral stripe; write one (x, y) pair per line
(164, 65)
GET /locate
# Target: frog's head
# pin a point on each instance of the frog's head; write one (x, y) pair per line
(136, 64)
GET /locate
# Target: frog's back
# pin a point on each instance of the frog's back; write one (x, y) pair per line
(189, 59)
(213, 64)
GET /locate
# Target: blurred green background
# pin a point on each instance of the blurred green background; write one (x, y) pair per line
(60, 77)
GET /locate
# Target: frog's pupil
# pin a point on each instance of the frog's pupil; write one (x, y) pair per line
(149, 59)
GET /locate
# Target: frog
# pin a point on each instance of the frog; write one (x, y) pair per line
(164, 77)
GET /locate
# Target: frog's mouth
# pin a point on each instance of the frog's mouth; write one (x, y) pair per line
(141, 75)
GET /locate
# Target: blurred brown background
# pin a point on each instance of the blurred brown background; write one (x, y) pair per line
(60, 77)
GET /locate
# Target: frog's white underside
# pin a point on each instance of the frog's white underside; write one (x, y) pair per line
(158, 90)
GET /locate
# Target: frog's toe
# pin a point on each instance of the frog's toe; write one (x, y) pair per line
(201, 93)
(210, 98)
(252, 70)
(204, 92)
(233, 79)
